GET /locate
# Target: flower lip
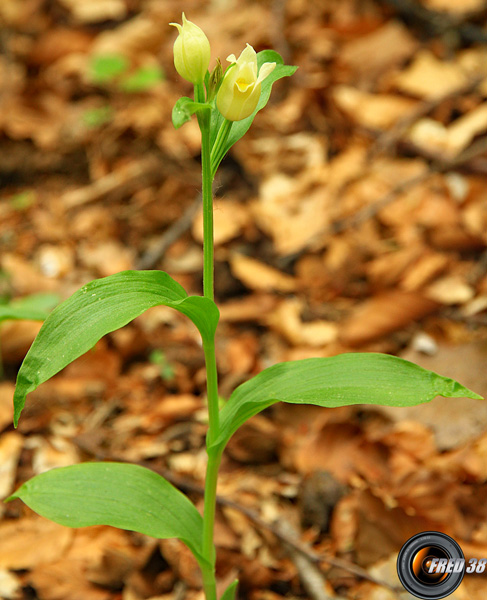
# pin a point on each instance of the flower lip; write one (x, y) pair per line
(240, 90)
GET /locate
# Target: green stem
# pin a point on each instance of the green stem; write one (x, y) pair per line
(207, 215)
(208, 547)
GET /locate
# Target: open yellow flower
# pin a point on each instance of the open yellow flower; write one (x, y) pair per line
(239, 92)
(191, 51)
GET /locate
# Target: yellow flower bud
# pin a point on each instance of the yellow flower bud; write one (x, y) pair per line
(191, 51)
(239, 92)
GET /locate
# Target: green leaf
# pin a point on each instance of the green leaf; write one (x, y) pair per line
(184, 109)
(143, 79)
(240, 128)
(342, 380)
(229, 593)
(32, 308)
(104, 68)
(117, 494)
(98, 308)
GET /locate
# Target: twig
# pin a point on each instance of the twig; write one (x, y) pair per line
(125, 179)
(172, 233)
(438, 23)
(387, 139)
(188, 486)
(109, 183)
(474, 151)
(310, 575)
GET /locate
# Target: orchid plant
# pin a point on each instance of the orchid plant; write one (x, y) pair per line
(138, 499)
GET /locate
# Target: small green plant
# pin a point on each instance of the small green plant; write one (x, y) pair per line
(23, 200)
(114, 70)
(157, 357)
(135, 498)
(106, 69)
(96, 117)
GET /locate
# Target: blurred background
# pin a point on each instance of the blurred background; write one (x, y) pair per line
(351, 217)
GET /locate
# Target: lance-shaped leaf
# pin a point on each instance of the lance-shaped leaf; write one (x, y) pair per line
(33, 308)
(184, 109)
(117, 494)
(98, 308)
(367, 378)
(240, 128)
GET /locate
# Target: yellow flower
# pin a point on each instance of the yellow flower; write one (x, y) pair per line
(239, 92)
(191, 51)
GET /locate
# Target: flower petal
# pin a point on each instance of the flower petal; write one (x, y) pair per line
(265, 70)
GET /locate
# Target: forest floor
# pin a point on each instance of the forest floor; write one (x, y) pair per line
(351, 218)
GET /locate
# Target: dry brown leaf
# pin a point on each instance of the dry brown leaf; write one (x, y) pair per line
(17, 337)
(454, 7)
(133, 38)
(25, 278)
(375, 111)
(241, 353)
(56, 43)
(293, 211)
(256, 275)
(474, 216)
(381, 530)
(365, 54)
(41, 123)
(107, 258)
(52, 453)
(63, 579)
(32, 541)
(291, 154)
(449, 141)
(229, 219)
(423, 270)
(450, 289)
(252, 308)
(10, 585)
(55, 260)
(95, 11)
(386, 270)
(333, 448)
(10, 447)
(181, 561)
(384, 314)
(169, 409)
(6, 404)
(286, 319)
(428, 77)
(462, 131)
(256, 442)
(225, 536)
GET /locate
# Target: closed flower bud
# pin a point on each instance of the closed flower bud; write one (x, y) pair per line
(191, 52)
(239, 92)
